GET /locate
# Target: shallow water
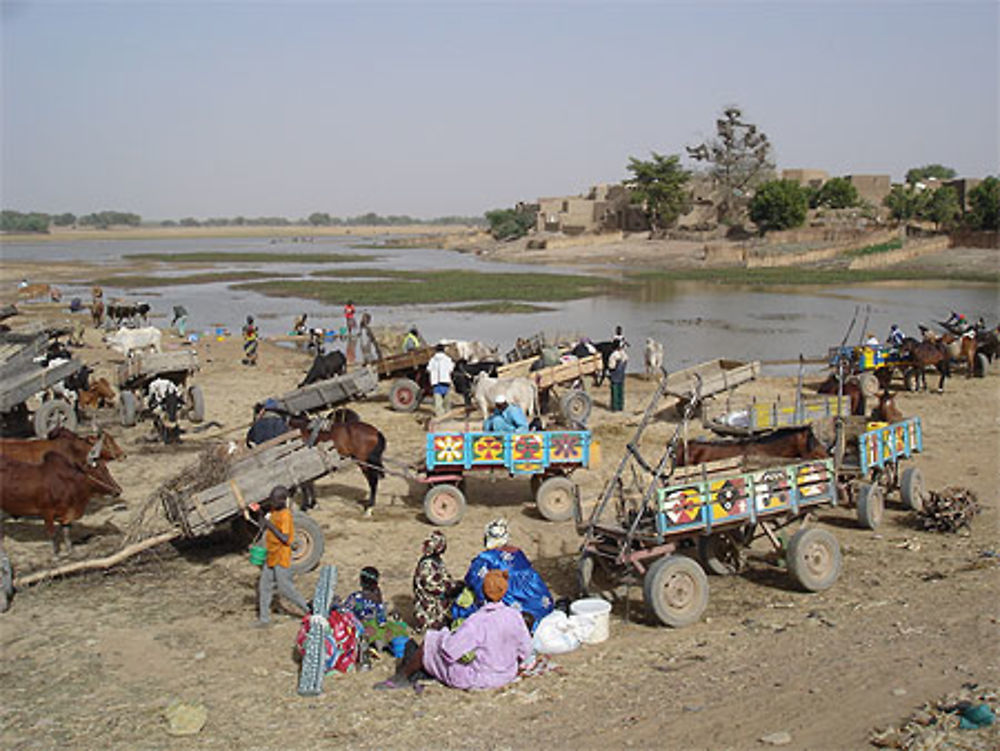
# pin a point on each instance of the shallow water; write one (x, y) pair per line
(695, 320)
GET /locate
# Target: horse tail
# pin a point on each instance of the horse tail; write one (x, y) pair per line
(375, 457)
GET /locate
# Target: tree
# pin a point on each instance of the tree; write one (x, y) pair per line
(939, 171)
(510, 224)
(942, 207)
(905, 202)
(660, 186)
(16, 221)
(836, 193)
(64, 220)
(779, 204)
(984, 205)
(319, 219)
(739, 159)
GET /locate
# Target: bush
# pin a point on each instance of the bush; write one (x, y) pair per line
(984, 205)
(836, 193)
(779, 204)
(510, 224)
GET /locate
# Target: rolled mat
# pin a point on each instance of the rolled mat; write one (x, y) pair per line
(313, 668)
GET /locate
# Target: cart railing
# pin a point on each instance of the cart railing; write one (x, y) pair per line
(521, 453)
(886, 444)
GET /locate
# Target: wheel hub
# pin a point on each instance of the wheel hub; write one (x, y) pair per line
(679, 591)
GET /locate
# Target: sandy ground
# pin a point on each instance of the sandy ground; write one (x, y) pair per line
(94, 660)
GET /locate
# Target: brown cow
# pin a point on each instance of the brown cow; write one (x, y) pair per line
(54, 489)
(100, 394)
(79, 450)
(786, 443)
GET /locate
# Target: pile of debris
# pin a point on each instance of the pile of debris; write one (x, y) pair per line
(948, 511)
(964, 720)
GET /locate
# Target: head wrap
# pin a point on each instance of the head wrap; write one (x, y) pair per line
(496, 534)
(435, 543)
(369, 577)
(500, 399)
(495, 585)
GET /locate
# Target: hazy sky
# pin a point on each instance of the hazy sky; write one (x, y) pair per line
(206, 109)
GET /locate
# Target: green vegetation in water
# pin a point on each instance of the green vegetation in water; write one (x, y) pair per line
(393, 287)
(793, 275)
(503, 307)
(139, 280)
(248, 257)
(869, 250)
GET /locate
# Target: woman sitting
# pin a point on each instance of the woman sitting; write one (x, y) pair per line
(484, 652)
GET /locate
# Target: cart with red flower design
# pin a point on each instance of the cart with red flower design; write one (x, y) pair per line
(548, 457)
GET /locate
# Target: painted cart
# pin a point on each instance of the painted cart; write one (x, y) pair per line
(750, 418)
(547, 457)
(21, 378)
(329, 393)
(138, 371)
(868, 465)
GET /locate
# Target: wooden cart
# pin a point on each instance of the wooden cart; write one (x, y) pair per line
(408, 372)
(21, 378)
(564, 383)
(137, 372)
(711, 377)
(547, 457)
(329, 393)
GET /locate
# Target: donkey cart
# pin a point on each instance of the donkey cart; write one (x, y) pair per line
(136, 373)
(408, 372)
(650, 533)
(21, 378)
(323, 395)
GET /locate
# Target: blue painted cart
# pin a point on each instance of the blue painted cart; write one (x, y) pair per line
(547, 457)
(868, 465)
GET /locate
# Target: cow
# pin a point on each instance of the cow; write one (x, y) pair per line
(324, 367)
(520, 391)
(98, 394)
(126, 341)
(464, 375)
(82, 451)
(472, 351)
(585, 348)
(653, 357)
(123, 314)
(55, 489)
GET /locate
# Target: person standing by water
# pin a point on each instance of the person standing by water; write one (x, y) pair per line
(349, 317)
(250, 342)
(617, 365)
(369, 344)
(439, 369)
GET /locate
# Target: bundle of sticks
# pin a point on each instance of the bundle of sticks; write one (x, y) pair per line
(948, 511)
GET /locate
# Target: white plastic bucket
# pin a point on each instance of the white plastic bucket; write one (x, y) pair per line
(597, 610)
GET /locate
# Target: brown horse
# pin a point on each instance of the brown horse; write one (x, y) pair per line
(924, 355)
(962, 348)
(355, 439)
(887, 411)
(100, 394)
(786, 443)
(857, 389)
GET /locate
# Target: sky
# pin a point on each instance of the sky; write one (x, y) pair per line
(218, 109)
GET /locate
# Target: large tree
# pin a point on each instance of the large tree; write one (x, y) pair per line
(939, 171)
(837, 193)
(779, 204)
(984, 205)
(660, 187)
(740, 161)
(905, 202)
(942, 207)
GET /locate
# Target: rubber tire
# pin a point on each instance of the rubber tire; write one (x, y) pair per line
(814, 559)
(453, 509)
(196, 404)
(575, 407)
(555, 498)
(911, 488)
(127, 407)
(55, 413)
(307, 545)
(686, 584)
(980, 365)
(715, 554)
(404, 395)
(871, 505)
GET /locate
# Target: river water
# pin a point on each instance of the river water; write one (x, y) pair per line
(694, 320)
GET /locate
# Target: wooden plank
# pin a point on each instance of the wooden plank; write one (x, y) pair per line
(568, 371)
(26, 384)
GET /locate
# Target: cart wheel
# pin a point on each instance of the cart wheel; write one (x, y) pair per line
(308, 543)
(127, 406)
(404, 395)
(721, 554)
(555, 497)
(676, 589)
(575, 406)
(55, 413)
(196, 404)
(444, 505)
(871, 505)
(813, 558)
(980, 365)
(911, 488)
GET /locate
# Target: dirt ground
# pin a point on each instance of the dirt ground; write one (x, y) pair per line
(93, 661)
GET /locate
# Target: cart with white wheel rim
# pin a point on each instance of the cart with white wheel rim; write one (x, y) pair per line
(408, 376)
(548, 457)
(138, 371)
(22, 379)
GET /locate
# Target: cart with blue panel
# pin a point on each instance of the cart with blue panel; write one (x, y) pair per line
(548, 457)
(881, 361)
(868, 465)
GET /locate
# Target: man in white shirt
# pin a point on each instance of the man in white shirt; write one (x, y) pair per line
(439, 368)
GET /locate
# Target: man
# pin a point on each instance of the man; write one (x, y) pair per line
(506, 418)
(275, 573)
(369, 344)
(484, 652)
(896, 336)
(617, 365)
(439, 369)
(349, 317)
(180, 320)
(412, 340)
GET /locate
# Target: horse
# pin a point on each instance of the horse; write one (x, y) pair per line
(785, 443)
(857, 389)
(925, 354)
(962, 348)
(887, 411)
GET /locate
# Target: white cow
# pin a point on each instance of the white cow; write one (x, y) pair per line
(520, 391)
(127, 341)
(472, 351)
(654, 357)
